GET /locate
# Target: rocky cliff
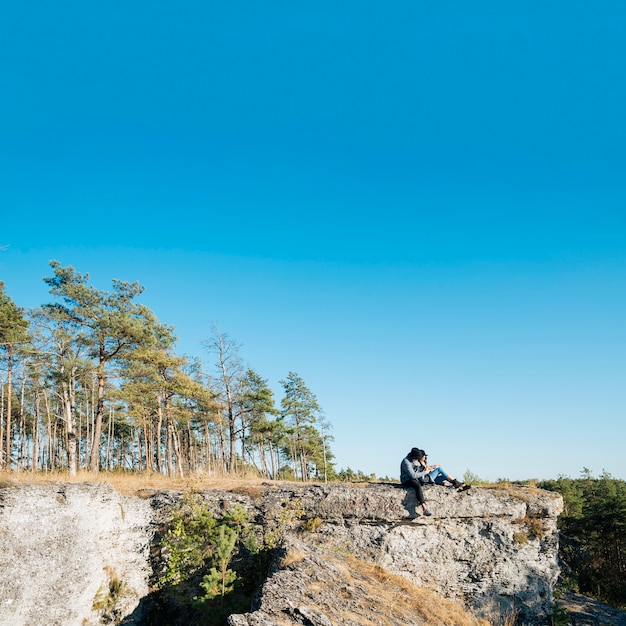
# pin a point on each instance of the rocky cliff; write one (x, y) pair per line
(65, 547)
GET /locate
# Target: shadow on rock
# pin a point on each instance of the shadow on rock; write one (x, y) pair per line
(175, 606)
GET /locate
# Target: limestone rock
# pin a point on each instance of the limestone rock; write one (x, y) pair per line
(77, 554)
(62, 549)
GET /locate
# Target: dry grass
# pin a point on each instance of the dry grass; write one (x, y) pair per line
(293, 557)
(373, 594)
(524, 493)
(534, 527)
(311, 525)
(409, 599)
(131, 483)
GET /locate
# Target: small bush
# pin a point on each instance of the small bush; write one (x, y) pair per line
(107, 596)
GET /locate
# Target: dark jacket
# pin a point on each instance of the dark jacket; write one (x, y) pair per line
(410, 469)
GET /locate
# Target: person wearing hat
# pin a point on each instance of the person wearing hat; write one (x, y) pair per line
(415, 472)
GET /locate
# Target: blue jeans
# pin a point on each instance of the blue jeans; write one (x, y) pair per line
(438, 475)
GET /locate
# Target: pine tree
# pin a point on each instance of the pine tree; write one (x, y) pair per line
(228, 384)
(13, 336)
(300, 410)
(110, 325)
(220, 579)
(258, 409)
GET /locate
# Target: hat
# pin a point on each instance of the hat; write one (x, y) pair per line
(416, 453)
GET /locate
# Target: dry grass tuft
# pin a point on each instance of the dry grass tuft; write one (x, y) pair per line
(534, 527)
(133, 483)
(311, 525)
(520, 539)
(293, 557)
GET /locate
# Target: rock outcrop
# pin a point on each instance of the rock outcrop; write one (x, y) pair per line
(67, 549)
(494, 550)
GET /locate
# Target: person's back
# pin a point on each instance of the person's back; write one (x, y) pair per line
(407, 469)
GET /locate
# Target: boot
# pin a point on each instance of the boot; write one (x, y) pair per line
(461, 486)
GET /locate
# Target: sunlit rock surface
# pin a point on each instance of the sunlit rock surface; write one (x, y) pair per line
(62, 546)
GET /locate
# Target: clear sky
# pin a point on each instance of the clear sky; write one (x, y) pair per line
(419, 207)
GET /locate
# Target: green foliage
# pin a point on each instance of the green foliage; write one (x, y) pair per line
(214, 563)
(188, 543)
(560, 617)
(220, 579)
(349, 475)
(290, 512)
(593, 534)
(196, 541)
(472, 479)
(13, 324)
(217, 583)
(104, 367)
(237, 519)
(304, 443)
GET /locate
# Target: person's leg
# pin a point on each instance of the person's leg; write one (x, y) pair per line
(419, 494)
(439, 476)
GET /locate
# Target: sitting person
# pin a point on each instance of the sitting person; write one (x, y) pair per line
(415, 472)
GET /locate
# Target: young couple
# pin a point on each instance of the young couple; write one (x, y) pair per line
(415, 472)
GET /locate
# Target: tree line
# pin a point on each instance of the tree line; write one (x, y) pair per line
(91, 380)
(592, 541)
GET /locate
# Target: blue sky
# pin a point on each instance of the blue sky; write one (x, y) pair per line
(419, 208)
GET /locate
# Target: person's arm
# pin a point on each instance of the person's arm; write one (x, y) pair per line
(425, 469)
(421, 472)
